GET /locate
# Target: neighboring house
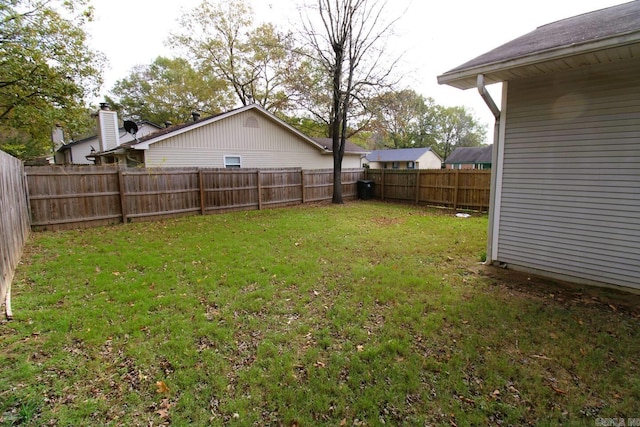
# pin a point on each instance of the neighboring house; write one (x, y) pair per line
(404, 158)
(349, 147)
(76, 152)
(565, 196)
(247, 137)
(470, 158)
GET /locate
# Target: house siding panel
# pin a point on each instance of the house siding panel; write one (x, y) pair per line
(429, 161)
(571, 179)
(267, 146)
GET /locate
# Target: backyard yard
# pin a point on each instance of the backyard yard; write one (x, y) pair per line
(362, 314)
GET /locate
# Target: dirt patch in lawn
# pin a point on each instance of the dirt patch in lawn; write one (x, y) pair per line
(564, 293)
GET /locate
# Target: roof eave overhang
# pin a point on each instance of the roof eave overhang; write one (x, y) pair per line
(543, 62)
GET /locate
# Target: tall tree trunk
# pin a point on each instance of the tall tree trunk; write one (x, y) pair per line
(337, 180)
(337, 123)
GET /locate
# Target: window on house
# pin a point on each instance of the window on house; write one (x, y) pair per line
(395, 165)
(232, 162)
(411, 165)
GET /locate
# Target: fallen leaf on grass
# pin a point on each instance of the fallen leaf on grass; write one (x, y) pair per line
(557, 390)
(165, 405)
(320, 364)
(541, 356)
(162, 387)
(466, 400)
(360, 348)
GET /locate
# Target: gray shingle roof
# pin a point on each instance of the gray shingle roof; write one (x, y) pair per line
(397, 155)
(600, 24)
(470, 155)
(349, 146)
(616, 29)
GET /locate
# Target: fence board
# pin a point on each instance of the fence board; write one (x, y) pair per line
(84, 196)
(64, 197)
(462, 189)
(14, 223)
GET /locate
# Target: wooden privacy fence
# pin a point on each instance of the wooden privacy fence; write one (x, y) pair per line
(14, 222)
(63, 197)
(457, 189)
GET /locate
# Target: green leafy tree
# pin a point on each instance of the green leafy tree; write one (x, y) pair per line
(405, 119)
(402, 119)
(456, 127)
(310, 127)
(47, 72)
(253, 61)
(309, 88)
(169, 90)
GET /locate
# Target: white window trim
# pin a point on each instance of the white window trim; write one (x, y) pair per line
(234, 156)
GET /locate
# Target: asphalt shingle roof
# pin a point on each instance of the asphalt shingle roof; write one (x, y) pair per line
(469, 155)
(588, 27)
(349, 146)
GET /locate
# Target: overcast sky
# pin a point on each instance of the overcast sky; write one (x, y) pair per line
(433, 36)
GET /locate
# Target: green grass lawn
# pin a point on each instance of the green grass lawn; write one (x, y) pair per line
(359, 314)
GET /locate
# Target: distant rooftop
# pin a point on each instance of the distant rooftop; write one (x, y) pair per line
(470, 155)
(398, 155)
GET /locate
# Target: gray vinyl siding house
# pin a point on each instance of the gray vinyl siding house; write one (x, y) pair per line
(566, 174)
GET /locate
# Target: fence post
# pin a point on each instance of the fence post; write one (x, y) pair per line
(123, 196)
(382, 185)
(417, 186)
(201, 183)
(259, 191)
(302, 185)
(455, 191)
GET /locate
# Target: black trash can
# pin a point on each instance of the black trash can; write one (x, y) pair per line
(365, 189)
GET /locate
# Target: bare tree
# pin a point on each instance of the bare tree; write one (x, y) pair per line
(347, 39)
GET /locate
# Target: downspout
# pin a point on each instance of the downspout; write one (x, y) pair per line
(494, 162)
